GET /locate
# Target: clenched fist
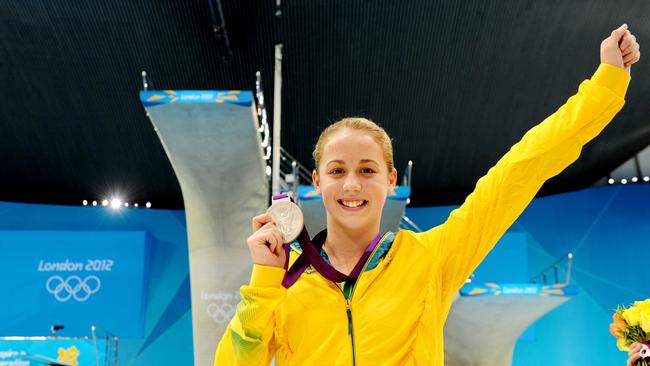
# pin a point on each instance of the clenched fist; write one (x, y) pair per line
(620, 49)
(266, 242)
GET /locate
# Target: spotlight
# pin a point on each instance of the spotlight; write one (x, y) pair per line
(646, 179)
(84, 202)
(116, 203)
(104, 202)
(623, 181)
(126, 204)
(135, 205)
(94, 203)
(635, 179)
(610, 181)
(148, 204)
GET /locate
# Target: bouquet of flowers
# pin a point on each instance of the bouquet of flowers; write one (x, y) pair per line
(632, 324)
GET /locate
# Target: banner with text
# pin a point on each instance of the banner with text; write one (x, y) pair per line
(73, 278)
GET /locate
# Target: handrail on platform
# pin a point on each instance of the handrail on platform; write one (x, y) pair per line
(555, 268)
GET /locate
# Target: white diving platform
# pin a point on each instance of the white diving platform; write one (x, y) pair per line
(211, 138)
(485, 321)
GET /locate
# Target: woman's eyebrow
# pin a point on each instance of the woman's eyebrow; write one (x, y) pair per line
(362, 161)
(335, 162)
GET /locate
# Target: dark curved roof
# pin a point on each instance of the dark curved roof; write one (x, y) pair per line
(454, 82)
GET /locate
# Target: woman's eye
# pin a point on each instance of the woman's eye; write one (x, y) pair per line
(367, 170)
(336, 171)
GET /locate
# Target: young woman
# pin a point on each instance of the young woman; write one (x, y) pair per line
(394, 312)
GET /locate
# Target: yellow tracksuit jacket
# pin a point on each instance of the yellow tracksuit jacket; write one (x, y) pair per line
(399, 304)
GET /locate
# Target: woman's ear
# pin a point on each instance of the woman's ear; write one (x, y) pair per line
(316, 180)
(392, 179)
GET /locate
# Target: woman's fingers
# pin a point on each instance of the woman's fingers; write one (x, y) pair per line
(635, 348)
(265, 244)
(269, 235)
(261, 220)
(635, 47)
(277, 241)
(634, 353)
(633, 358)
(627, 42)
(630, 56)
(634, 60)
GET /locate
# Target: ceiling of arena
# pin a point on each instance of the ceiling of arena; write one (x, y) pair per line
(455, 83)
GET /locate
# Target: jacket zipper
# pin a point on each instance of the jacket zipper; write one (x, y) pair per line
(351, 331)
(348, 300)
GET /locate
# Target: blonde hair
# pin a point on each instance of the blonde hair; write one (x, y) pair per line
(360, 124)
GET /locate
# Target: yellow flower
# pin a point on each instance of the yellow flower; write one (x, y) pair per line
(645, 304)
(622, 345)
(644, 319)
(631, 316)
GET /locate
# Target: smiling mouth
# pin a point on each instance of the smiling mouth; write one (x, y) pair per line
(352, 203)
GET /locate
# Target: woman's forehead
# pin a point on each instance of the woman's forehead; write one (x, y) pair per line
(352, 146)
(349, 138)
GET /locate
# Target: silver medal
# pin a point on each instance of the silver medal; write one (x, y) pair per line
(288, 218)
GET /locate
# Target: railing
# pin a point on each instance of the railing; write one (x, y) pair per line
(408, 224)
(554, 271)
(263, 122)
(406, 179)
(292, 173)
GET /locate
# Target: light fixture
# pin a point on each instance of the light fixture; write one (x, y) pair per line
(635, 179)
(104, 202)
(85, 202)
(135, 205)
(610, 181)
(94, 203)
(116, 203)
(623, 181)
(646, 179)
(148, 204)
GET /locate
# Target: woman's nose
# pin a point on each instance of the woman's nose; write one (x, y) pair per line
(351, 183)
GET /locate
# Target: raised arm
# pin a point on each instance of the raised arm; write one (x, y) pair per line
(499, 197)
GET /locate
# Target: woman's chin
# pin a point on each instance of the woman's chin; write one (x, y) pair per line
(356, 223)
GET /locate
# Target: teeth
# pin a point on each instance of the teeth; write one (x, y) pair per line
(352, 203)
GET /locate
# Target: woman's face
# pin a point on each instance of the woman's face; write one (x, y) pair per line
(353, 180)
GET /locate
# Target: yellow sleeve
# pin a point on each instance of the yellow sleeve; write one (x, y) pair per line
(249, 340)
(499, 197)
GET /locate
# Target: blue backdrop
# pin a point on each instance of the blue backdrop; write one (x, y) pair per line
(607, 228)
(79, 278)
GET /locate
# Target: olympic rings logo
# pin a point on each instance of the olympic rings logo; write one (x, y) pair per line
(221, 313)
(72, 287)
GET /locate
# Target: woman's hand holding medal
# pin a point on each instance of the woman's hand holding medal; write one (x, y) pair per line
(266, 242)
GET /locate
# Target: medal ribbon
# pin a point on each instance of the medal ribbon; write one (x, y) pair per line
(311, 256)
